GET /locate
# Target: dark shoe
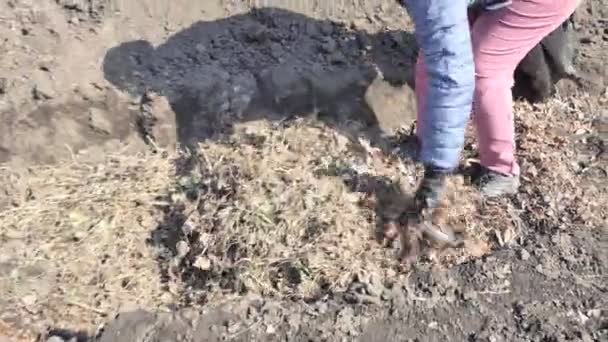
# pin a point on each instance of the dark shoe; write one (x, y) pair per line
(493, 184)
(431, 189)
(428, 198)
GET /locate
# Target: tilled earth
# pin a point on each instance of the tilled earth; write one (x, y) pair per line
(81, 80)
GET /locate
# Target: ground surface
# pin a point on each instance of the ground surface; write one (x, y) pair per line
(267, 229)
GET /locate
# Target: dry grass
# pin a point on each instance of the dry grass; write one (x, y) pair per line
(269, 219)
(282, 215)
(74, 240)
(276, 211)
(563, 169)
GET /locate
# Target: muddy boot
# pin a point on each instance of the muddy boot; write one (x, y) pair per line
(430, 192)
(432, 210)
(493, 184)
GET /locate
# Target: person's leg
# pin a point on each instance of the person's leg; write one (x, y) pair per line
(501, 39)
(421, 84)
(443, 35)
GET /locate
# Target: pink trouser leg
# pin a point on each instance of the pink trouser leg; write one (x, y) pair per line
(501, 39)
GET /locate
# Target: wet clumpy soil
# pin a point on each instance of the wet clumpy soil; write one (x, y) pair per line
(80, 80)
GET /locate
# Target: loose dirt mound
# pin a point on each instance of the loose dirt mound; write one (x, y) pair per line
(284, 215)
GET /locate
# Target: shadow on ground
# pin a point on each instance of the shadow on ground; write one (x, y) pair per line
(269, 64)
(276, 64)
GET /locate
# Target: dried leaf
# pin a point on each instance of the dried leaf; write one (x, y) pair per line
(477, 248)
(507, 235)
(203, 263)
(498, 236)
